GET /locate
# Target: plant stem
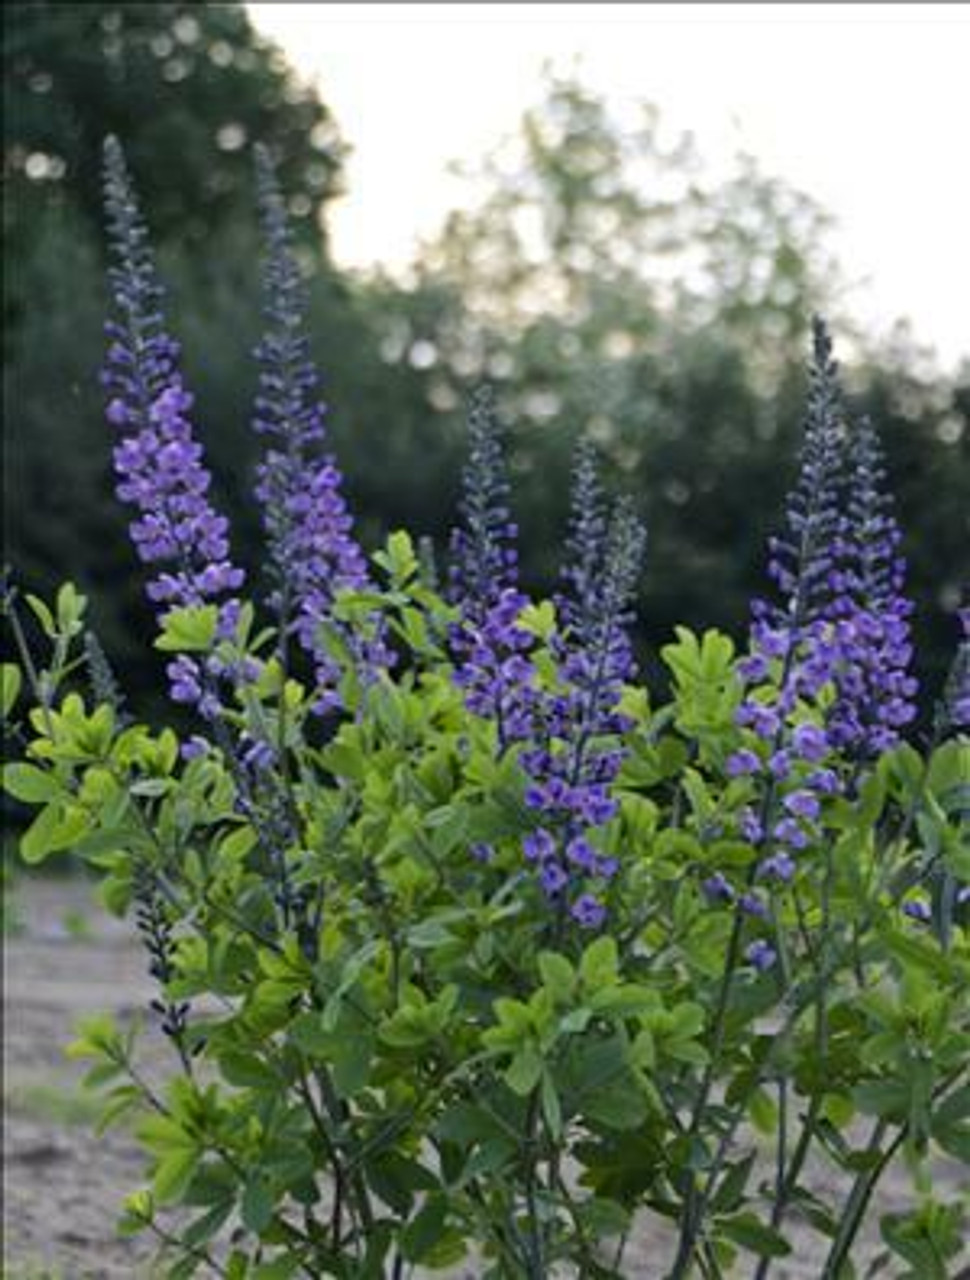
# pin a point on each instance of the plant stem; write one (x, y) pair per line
(689, 1221)
(788, 1178)
(859, 1196)
(536, 1264)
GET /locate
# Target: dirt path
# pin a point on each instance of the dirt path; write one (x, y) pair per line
(63, 1186)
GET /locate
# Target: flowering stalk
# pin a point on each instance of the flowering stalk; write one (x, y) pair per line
(870, 614)
(576, 756)
(793, 656)
(158, 461)
(162, 473)
(309, 529)
(488, 642)
(790, 659)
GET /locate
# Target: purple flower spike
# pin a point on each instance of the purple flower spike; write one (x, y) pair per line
(309, 529)
(158, 461)
(585, 543)
(841, 620)
(568, 736)
(490, 647)
(869, 612)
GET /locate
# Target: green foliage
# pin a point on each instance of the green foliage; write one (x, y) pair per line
(438, 1065)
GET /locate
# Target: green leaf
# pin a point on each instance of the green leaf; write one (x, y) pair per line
(352, 1062)
(279, 1269)
(43, 616)
(398, 560)
(174, 1173)
(137, 1213)
(605, 1219)
(256, 1208)
(747, 1231)
(10, 682)
(558, 975)
(70, 609)
(28, 783)
(763, 1111)
(188, 630)
(247, 1071)
(886, 1098)
(523, 1075)
(39, 838)
(731, 1190)
(238, 843)
(598, 967)
(539, 619)
(203, 1228)
(424, 1231)
(551, 1109)
(597, 1082)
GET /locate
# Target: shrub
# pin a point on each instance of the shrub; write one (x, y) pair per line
(461, 943)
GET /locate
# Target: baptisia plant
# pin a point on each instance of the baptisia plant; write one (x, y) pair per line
(468, 952)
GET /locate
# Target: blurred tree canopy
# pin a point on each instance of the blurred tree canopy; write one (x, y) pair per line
(599, 276)
(187, 86)
(614, 290)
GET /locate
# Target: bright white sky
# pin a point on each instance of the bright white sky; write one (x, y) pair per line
(864, 107)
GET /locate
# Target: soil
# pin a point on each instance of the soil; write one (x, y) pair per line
(63, 1185)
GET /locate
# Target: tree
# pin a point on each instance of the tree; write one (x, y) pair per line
(187, 87)
(615, 291)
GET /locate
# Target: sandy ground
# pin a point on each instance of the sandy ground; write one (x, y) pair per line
(63, 1185)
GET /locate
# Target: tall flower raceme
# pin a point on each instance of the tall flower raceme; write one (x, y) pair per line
(795, 654)
(875, 690)
(489, 644)
(585, 546)
(567, 734)
(310, 531)
(159, 463)
(576, 755)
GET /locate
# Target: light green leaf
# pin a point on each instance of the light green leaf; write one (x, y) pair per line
(28, 783)
(10, 682)
(189, 630)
